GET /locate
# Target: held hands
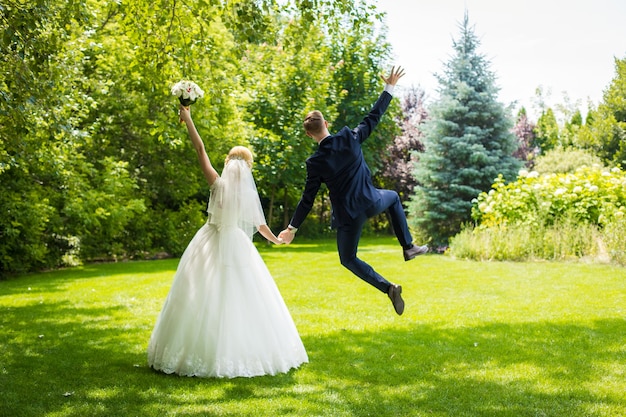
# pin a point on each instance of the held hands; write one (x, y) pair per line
(395, 75)
(286, 236)
(278, 240)
(266, 232)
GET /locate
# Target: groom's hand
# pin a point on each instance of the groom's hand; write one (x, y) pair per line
(395, 75)
(287, 236)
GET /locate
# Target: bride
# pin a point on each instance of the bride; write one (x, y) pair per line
(224, 315)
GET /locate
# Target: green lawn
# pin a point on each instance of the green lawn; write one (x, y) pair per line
(476, 339)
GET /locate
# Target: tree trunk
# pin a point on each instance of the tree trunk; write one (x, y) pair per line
(270, 210)
(286, 216)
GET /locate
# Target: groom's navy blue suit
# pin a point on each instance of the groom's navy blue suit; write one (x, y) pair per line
(339, 163)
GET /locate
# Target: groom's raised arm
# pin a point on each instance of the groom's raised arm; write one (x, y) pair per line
(367, 125)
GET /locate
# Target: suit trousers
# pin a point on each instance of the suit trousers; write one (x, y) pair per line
(348, 237)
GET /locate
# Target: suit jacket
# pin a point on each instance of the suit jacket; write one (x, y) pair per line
(339, 163)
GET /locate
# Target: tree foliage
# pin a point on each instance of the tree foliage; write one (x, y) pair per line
(468, 142)
(524, 131)
(93, 161)
(547, 132)
(402, 154)
(606, 130)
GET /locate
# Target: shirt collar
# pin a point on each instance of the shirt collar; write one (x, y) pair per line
(324, 139)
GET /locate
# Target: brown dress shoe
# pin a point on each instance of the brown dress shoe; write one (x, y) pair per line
(395, 295)
(414, 251)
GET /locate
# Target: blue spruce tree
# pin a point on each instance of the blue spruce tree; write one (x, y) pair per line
(468, 140)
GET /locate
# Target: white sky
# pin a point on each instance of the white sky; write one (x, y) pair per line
(561, 45)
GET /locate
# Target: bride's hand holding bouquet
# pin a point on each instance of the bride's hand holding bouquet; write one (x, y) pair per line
(184, 114)
(187, 92)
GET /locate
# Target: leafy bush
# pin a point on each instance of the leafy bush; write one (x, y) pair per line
(614, 234)
(172, 230)
(590, 195)
(554, 216)
(23, 230)
(522, 242)
(565, 161)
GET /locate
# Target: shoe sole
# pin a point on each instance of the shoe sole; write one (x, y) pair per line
(408, 258)
(397, 294)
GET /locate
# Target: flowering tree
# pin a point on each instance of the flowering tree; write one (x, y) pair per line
(403, 153)
(524, 131)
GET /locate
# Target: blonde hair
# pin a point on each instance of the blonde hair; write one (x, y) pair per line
(240, 152)
(314, 122)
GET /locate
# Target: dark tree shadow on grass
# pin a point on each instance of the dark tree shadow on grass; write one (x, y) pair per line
(87, 361)
(476, 371)
(71, 359)
(84, 361)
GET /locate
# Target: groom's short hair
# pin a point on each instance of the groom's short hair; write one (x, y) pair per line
(314, 122)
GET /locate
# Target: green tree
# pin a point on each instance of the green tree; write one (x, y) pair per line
(93, 162)
(547, 132)
(135, 118)
(468, 142)
(571, 129)
(40, 105)
(340, 77)
(361, 57)
(282, 87)
(608, 124)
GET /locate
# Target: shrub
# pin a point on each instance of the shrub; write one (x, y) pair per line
(522, 242)
(561, 160)
(553, 216)
(590, 195)
(172, 231)
(614, 238)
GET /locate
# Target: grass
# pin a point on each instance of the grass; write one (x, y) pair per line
(476, 339)
(564, 241)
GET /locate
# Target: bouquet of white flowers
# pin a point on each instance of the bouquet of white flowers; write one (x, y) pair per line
(187, 92)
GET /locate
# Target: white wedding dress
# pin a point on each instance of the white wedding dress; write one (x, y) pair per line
(224, 315)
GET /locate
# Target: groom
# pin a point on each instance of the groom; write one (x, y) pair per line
(339, 163)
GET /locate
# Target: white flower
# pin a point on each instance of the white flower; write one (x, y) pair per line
(187, 92)
(533, 174)
(577, 189)
(522, 173)
(560, 191)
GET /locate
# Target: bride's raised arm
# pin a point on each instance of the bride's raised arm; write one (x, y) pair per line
(205, 163)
